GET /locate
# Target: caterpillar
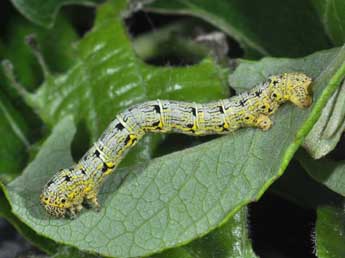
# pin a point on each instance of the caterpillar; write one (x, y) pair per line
(71, 189)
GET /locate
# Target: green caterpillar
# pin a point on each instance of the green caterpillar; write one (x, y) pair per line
(70, 189)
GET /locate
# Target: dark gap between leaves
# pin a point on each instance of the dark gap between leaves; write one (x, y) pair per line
(13, 244)
(176, 142)
(338, 153)
(82, 22)
(140, 23)
(279, 228)
(81, 141)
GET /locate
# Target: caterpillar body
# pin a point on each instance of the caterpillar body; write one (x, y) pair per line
(71, 189)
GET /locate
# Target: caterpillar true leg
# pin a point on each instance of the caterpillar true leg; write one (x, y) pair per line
(71, 188)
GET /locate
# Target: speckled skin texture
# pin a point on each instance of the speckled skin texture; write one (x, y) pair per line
(71, 189)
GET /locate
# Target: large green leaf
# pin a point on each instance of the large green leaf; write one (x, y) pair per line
(330, 233)
(332, 15)
(174, 199)
(328, 172)
(265, 27)
(44, 12)
(14, 144)
(229, 241)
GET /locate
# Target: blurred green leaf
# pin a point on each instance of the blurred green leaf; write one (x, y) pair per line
(332, 16)
(330, 233)
(229, 241)
(263, 27)
(182, 196)
(44, 12)
(14, 130)
(14, 144)
(18, 126)
(328, 172)
(55, 43)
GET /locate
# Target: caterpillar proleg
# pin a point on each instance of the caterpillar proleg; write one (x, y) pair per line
(71, 188)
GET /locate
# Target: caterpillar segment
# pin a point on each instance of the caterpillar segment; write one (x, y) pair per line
(71, 189)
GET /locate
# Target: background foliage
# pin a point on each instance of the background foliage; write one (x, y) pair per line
(174, 196)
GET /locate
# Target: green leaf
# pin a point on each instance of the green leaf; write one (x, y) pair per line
(328, 172)
(229, 241)
(329, 128)
(14, 144)
(17, 125)
(182, 196)
(330, 232)
(332, 15)
(55, 43)
(44, 12)
(263, 27)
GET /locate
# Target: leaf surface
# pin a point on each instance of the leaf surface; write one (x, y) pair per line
(14, 145)
(44, 12)
(329, 128)
(55, 44)
(332, 16)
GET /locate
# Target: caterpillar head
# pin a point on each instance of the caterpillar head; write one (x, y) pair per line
(294, 87)
(57, 198)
